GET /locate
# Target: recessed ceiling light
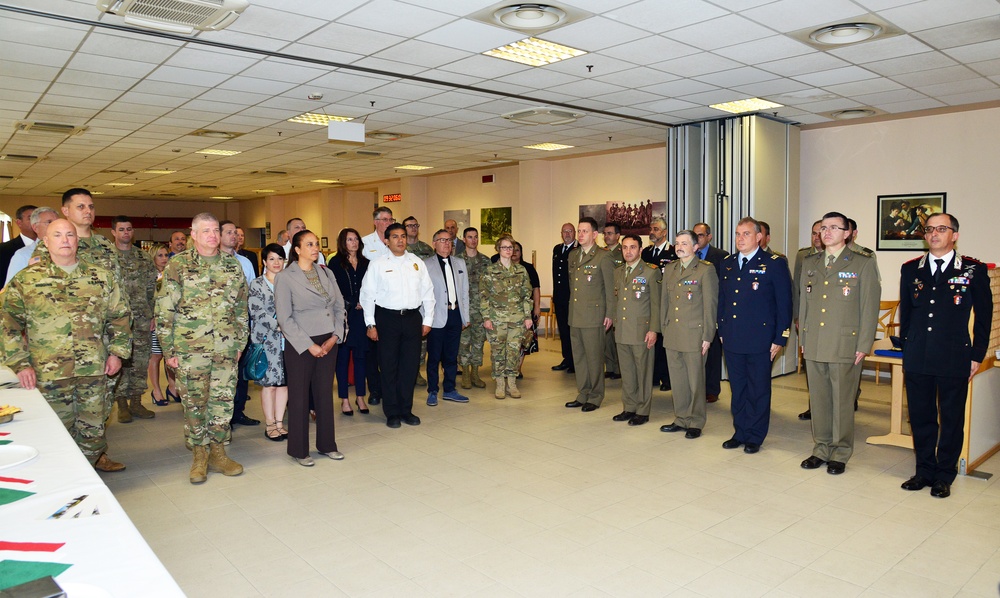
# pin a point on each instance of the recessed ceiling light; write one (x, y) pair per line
(385, 135)
(547, 147)
(855, 113)
(264, 191)
(218, 152)
(413, 167)
(325, 181)
(747, 105)
(530, 16)
(215, 134)
(119, 184)
(534, 52)
(845, 33)
(158, 171)
(322, 120)
(221, 197)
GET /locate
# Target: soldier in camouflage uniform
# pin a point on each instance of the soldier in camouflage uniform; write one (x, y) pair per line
(423, 251)
(470, 351)
(139, 275)
(66, 329)
(201, 322)
(506, 313)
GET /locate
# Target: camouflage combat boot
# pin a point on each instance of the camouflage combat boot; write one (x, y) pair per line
(218, 461)
(476, 380)
(106, 464)
(199, 468)
(466, 376)
(501, 390)
(135, 408)
(124, 415)
(512, 387)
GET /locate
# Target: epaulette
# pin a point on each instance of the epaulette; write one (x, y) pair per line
(706, 262)
(653, 266)
(916, 259)
(862, 250)
(969, 258)
(776, 256)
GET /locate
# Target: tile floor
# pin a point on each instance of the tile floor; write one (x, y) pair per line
(527, 498)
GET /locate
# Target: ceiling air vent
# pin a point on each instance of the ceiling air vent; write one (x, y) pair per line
(28, 126)
(357, 154)
(18, 158)
(542, 116)
(268, 173)
(176, 16)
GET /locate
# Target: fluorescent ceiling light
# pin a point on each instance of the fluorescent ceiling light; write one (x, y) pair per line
(845, 33)
(157, 171)
(264, 191)
(747, 105)
(322, 120)
(413, 167)
(547, 147)
(534, 52)
(221, 197)
(97, 192)
(325, 181)
(119, 184)
(218, 152)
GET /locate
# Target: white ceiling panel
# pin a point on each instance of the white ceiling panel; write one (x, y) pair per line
(937, 13)
(961, 34)
(987, 68)
(275, 23)
(774, 87)
(976, 52)
(846, 74)
(486, 67)
(45, 34)
(205, 60)
(420, 53)
(951, 88)
(141, 50)
(106, 64)
(584, 88)
(35, 55)
(931, 77)
(974, 97)
(775, 47)
(910, 64)
(883, 49)
(637, 77)
(338, 36)
(741, 76)
(679, 87)
(471, 36)
(901, 107)
(395, 17)
(719, 33)
(595, 33)
(864, 87)
(171, 74)
(696, 64)
(658, 16)
(317, 9)
(649, 49)
(791, 15)
(888, 97)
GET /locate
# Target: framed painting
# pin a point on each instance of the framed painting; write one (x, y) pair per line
(901, 220)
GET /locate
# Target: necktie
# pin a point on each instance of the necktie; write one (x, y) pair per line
(450, 281)
(743, 264)
(940, 270)
(656, 253)
(829, 262)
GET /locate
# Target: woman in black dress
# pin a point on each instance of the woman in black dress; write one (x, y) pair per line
(349, 266)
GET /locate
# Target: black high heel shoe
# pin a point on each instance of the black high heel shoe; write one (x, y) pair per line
(357, 402)
(347, 413)
(170, 395)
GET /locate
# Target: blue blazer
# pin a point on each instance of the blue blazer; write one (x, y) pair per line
(755, 306)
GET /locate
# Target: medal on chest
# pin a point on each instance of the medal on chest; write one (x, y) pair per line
(847, 291)
(755, 285)
(958, 299)
(809, 287)
(689, 293)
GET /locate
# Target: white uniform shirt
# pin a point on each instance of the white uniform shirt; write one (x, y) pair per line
(397, 283)
(374, 246)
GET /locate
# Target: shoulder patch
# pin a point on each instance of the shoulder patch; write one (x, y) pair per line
(775, 256)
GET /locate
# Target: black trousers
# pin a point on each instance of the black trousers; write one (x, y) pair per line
(713, 367)
(442, 349)
(937, 446)
(399, 335)
(242, 389)
(308, 375)
(561, 306)
(661, 375)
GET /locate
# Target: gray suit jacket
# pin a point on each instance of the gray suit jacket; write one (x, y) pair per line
(303, 312)
(461, 273)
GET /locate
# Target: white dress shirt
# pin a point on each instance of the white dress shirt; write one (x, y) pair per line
(19, 261)
(397, 282)
(374, 246)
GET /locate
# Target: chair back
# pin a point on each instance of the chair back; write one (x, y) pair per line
(886, 319)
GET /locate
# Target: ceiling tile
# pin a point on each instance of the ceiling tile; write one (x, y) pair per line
(637, 77)
(338, 36)
(35, 55)
(279, 24)
(388, 66)
(935, 13)
(668, 105)
(395, 18)
(931, 77)
(863, 87)
(775, 47)
(204, 60)
(956, 87)
(987, 68)
(679, 87)
(910, 64)
(791, 15)
(421, 53)
(719, 33)
(319, 9)
(654, 47)
(169, 89)
(486, 67)
(142, 50)
(741, 76)
(658, 16)
(975, 52)
(594, 34)
(537, 79)
(974, 97)
(696, 64)
(46, 34)
(584, 88)
(471, 36)
(900, 107)
(255, 85)
(881, 49)
(846, 74)
(628, 97)
(767, 89)
(246, 40)
(108, 65)
(888, 97)
(961, 34)
(807, 63)
(170, 74)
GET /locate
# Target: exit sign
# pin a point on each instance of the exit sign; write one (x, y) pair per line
(391, 197)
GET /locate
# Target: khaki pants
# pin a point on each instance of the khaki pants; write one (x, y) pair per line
(636, 362)
(687, 384)
(832, 388)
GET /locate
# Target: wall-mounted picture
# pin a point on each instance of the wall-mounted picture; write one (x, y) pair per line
(493, 223)
(902, 219)
(634, 217)
(461, 217)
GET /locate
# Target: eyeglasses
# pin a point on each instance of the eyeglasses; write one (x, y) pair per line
(443, 240)
(700, 235)
(506, 248)
(941, 229)
(834, 229)
(389, 220)
(412, 226)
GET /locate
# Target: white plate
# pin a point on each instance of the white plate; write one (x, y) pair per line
(83, 590)
(15, 454)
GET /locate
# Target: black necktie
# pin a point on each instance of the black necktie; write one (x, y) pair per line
(656, 253)
(940, 270)
(743, 265)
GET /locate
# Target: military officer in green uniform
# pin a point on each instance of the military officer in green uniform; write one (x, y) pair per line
(612, 242)
(66, 330)
(838, 312)
(201, 322)
(688, 315)
(413, 243)
(470, 350)
(637, 322)
(139, 275)
(591, 307)
(815, 246)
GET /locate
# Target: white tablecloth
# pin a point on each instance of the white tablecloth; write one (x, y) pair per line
(106, 551)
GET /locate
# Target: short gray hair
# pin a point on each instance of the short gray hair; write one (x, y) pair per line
(36, 216)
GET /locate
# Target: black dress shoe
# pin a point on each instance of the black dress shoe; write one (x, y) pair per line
(916, 483)
(638, 420)
(692, 433)
(411, 420)
(711, 398)
(243, 420)
(571, 370)
(664, 387)
(374, 400)
(732, 443)
(562, 366)
(624, 416)
(941, 489)
(807, 414)
(588, 407)
(612, 376)
(751, 448)
(672, 428)
(392, 422)
(813, 462)
(835, 467)
(573, 404)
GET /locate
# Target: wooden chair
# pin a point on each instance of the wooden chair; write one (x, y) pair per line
(886, 326)
(547, 317)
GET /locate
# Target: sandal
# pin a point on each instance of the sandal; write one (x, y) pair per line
(271, 432)
(359, 401)
(281, 430)
(350, 411)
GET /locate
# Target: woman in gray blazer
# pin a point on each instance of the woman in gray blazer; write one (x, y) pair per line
(311, 315)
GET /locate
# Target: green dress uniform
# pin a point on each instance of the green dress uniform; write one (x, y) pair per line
(838, 314)
(591, 300)
(139, 275)
(507, 305)
(470, 348)
(610, 351)
(637, 311)
(201, 318)
(71, 320)
(689, 313)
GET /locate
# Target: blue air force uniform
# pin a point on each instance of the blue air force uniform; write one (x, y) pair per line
(755, 311)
